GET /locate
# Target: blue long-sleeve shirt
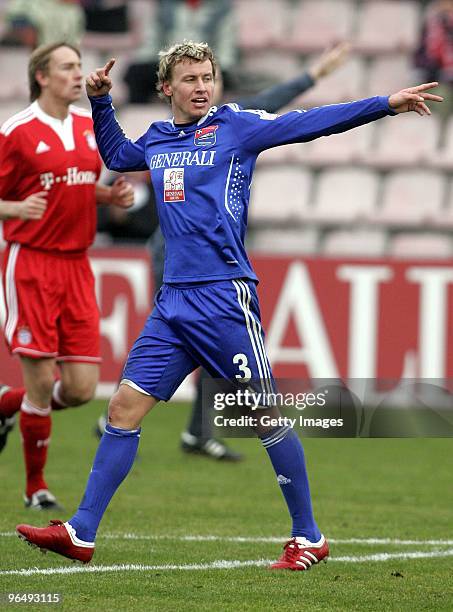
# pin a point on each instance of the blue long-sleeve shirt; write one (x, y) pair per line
(201, 174)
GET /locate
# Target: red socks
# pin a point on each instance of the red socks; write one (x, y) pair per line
(35, 427)
(10, 402)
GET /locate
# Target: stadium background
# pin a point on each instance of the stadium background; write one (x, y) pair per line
(351, 234)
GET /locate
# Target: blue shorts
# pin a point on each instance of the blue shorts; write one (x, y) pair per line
(216, 325)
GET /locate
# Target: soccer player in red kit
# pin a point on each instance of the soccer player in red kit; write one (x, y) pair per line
(49, 168)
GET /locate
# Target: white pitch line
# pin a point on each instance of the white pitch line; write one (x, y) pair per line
(416, 554)
(257, 539)
(395, 541)
(128, 567)
(220, 564)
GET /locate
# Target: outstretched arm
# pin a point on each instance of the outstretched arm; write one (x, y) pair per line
(277, 96)
(274, 98)
(260, 131)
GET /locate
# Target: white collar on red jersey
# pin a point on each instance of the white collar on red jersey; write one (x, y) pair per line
(63, 128)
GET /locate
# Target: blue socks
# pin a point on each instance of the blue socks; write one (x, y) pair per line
(114, 459)
(287, 456)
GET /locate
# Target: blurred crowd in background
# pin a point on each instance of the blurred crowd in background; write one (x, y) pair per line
(381, 190)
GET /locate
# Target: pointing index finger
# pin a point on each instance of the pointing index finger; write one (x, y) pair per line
(109, 65)
(426, 86)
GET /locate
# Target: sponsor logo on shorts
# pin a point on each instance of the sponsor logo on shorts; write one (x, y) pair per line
(24, 336)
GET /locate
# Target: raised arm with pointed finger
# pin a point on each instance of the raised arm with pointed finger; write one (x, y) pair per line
(276, 97)
(122, 155)
(109, 135)
(98, 82)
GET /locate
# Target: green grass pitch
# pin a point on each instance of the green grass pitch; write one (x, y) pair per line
(363, 490)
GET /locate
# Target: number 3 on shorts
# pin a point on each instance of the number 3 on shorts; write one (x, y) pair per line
(242, 361)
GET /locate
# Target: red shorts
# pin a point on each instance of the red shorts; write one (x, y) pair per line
(51, 308)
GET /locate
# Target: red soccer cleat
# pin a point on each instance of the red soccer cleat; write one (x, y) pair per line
(300, 554)
(59, 538)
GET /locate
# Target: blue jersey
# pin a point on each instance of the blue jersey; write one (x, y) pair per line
(202, 172)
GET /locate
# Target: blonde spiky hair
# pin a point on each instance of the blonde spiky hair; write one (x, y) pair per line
(197, 52)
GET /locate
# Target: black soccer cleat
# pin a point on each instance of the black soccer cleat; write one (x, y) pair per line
(215, 449)
(99, 428)
(42, 500)
(6, 423)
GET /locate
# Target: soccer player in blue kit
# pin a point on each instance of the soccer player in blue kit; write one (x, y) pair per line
(207, 312)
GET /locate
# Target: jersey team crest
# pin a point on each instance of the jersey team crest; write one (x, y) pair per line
(24, 336)
(205, 137)
(91, 140)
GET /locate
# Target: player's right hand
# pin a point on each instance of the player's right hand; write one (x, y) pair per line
(33, 207)
(99, 83)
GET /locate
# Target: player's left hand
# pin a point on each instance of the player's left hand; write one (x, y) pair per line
(413, 99)
(122, 193)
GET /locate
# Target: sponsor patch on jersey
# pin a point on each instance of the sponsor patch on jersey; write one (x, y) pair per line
(174, 185)
(24, 336)
(91, 140)
(205, 137)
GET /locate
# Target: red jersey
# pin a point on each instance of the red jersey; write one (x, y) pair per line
(41, 153)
